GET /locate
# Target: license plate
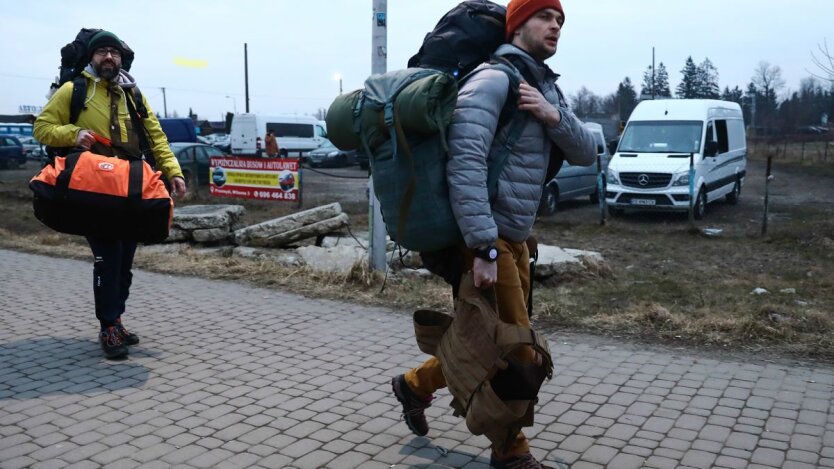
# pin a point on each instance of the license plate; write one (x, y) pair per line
(642, 201)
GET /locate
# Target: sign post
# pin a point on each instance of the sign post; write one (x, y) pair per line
(379, 64)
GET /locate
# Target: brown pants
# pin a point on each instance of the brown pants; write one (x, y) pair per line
(511, 291)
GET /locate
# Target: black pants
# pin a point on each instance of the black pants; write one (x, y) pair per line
(111, 277)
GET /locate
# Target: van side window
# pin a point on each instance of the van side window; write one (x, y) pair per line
(723, 139)
(735, 128)
(710, 135)
(320, 132)
(290, 130)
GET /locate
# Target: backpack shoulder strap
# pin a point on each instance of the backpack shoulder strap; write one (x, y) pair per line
(139, 103)
(134, 97)
(79, 94)
(509, 116)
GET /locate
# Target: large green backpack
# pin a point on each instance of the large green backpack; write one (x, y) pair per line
(399, 120)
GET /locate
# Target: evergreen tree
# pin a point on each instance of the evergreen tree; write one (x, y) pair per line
(649, 83)
(626, 98)
(660, 87)
(661, 82)
(707, 83)
(688, 87)
(750, 105)
(735, 95)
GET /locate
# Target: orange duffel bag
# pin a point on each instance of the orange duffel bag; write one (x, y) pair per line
(94, 195)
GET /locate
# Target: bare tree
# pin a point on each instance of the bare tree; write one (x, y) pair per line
(585, 103)
(824, 62)
(768, 79)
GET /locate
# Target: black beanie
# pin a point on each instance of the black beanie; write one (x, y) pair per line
(104, 39)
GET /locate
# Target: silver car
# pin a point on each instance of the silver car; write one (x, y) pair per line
(576, 181)
(32, 147)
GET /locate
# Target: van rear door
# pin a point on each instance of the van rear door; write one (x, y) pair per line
(243, 134)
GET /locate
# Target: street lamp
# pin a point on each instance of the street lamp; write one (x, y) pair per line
(234, 103)
(338, 77)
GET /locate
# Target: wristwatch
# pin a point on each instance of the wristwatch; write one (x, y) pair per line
(489, 253)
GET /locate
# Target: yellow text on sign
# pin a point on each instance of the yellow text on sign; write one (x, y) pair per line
(241, 178)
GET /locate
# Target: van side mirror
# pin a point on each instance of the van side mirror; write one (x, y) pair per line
(711, 148)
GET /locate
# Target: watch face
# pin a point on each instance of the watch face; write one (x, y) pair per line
(493, 253)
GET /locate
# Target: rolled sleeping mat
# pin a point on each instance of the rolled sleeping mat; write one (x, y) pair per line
(427, 103)
(340, 126)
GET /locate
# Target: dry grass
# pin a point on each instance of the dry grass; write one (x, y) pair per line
(659, 281)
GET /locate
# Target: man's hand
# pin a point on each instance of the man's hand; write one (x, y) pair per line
(178, 188)
(485, 273)
(84, 139)
(530, 99)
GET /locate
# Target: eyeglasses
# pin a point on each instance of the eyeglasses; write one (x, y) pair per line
(116, 53)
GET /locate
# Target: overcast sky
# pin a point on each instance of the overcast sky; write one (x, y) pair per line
(296, 47)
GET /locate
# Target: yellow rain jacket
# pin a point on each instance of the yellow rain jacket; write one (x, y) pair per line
(53, 128)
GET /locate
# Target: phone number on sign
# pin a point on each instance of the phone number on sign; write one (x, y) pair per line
(275, 195)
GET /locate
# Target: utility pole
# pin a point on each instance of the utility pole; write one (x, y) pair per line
(379, 64)
(246, 73)
(653, 84)
(164, 103)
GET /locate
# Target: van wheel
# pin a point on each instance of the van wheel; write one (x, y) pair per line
(732, 197)
(594, 197)
(550, 201)
(700, 207)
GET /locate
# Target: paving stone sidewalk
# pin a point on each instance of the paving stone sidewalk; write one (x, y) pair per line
(228, 375)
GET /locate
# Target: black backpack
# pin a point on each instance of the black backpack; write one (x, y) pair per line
(74, 58)
(464, 38)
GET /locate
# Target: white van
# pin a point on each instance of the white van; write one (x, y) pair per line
(650, 169)
(295, 134)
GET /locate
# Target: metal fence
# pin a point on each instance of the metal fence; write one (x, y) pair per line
(793, 148)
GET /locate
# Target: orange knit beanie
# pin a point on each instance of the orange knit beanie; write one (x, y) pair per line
(519, 11)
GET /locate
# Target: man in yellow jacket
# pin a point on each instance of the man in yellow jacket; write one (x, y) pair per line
(106, 113)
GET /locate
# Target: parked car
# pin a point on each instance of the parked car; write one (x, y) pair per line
(329, 155)
(12, 153)
(576, 181)
(195, 156)
(31, 147)
(223, 142)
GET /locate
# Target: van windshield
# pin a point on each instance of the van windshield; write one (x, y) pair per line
(662, 137)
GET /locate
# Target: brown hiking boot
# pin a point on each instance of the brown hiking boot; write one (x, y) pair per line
(112, 343)
(128, 337)
(413, 406)
(522, 461)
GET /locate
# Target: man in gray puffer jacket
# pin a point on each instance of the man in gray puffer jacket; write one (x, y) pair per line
(496, 226)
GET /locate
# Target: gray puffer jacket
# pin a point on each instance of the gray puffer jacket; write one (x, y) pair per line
(474, 144)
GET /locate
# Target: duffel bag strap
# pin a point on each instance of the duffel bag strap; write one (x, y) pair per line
(134, 181)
